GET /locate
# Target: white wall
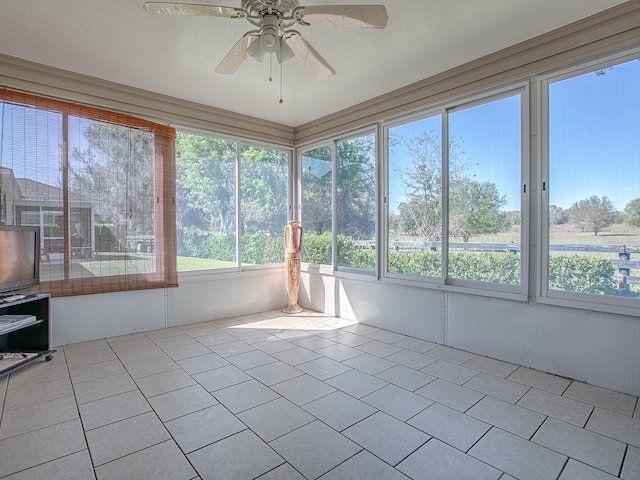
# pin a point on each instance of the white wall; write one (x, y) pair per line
(600, 349)
(198, 298)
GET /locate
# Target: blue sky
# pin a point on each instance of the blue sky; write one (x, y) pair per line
(594, 138)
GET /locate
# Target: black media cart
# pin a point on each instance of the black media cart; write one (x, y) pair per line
(24, 343)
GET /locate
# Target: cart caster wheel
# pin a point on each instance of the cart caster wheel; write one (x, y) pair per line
(48, 358)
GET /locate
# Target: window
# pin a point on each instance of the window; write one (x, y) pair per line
(484, 191)
(99, 185)
(263, 198)
(316, 204)
(344, 203)
(473, 232)
(593, 210)
(356, 202)
(216, 206)
(415, 198)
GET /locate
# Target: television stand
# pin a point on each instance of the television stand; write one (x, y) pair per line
(25, 342)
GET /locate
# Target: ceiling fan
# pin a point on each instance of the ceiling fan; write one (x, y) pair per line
(274, 19)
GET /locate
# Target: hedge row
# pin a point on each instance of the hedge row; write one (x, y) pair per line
(573, 273)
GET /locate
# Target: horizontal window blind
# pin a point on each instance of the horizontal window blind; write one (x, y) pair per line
(99, 185)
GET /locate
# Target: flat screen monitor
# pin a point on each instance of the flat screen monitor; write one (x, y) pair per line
(19, 257)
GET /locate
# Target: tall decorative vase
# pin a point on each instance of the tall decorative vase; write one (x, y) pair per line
(292, 256)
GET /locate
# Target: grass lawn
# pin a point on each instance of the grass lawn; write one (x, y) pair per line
(192, 263)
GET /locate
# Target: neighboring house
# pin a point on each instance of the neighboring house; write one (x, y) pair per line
(28, 202)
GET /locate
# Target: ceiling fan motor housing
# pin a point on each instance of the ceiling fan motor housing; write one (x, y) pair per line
(284, 7)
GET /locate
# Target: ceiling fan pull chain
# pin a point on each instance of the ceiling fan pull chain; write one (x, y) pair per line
(281, 100)
(270, 76)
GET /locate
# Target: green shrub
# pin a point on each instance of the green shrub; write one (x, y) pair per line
(584, 274)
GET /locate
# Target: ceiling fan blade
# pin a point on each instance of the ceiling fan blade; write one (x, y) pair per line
(167, 8)
(310, 58)
(360, 16)
(235, 57)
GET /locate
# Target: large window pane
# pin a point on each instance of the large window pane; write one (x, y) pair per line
(356, 202)
(594, 182)
(415, 198)
(263, 200)
(206, 202)
(315, 207)
(485, 156)
(98, 184)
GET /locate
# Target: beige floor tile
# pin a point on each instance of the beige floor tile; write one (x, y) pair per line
(96, 370)
(163, 332)
(231, 348)
(175, 341)
(450, 426)
(202, 363)
(103, 387)
(579, 471)
(339, 410)
(561, 408)
(40, 446)
(369, 363)
(244, 396)
(222, 377)
(491, 366)
(411, 359)
(497, 387)
(518, 457)
(445, 462)
(631, 466)
(511, 418)
(199, 330)
(415, 344)
(313, 342)
(243, 455)
(204, 427)
(182, 352)
(449, 354)
(386, 336)
(352, 339)
(363, 466)
(396, 443)
(33, 417)
(582, 445)
(129, 342)
(397, 402)
(297, 355)
(89, 358)
(181, 402)
(164, 382)
(153, 366)
(252, 359)
(275, 372)
(614, 425)
(314, 449)
(273, 345)
(356, 383)
(275, 418)
(124, 437)
(406, 377)
(601, 397)
(162, 461)
(216, 339)
(540, 380)
(324, 368)
(86, 347)
(38, 372)
(37, 393)
(361, 329)
(378, 348)
(113, 409)
(339, 352)
(76, 466)
(451, 372)
(450, 394)
(140, 354)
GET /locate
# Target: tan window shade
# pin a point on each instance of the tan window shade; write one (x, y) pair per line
(100, 186)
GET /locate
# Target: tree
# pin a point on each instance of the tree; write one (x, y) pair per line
(475, 208)
(592, 214)
(632, 212)
(205, 184)
(116, 167)
(557, 215)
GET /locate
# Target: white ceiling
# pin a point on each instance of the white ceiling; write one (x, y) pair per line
(176, 55)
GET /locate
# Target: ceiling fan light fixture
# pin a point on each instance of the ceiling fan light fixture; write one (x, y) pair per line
(256, 50)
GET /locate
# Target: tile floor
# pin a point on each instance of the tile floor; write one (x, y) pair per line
(307, 396)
